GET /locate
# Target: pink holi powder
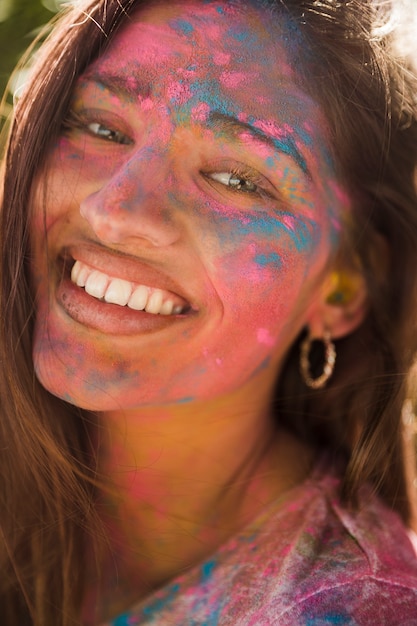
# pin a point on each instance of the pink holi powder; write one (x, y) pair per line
(263, 100)
(221, 58)
(289, 222)
(200, 112)
(261, 149)
(147, 104)
(264, 337)
(271, 128)
(340, 193)
(213, 30)
(179, 92)
(233, 79)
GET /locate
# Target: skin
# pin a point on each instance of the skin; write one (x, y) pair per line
(146, 197)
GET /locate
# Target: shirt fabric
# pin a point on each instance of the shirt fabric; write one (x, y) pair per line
(305, 561)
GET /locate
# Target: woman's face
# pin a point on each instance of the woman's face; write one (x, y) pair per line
(192, 194)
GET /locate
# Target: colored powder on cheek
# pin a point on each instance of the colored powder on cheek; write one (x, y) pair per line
(185, 400)
(272, 259)
(264, 337)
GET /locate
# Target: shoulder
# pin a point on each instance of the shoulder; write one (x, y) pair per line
(319, 563)
(362, 601)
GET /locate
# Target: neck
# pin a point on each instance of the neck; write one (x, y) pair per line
(186, 477)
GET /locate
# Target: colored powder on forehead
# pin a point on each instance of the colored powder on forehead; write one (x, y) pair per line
(221, 58)
(182, 26)
(207, 91)
(233, 79)
(178, 92)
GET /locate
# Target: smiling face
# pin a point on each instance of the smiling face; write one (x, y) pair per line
(193, 198)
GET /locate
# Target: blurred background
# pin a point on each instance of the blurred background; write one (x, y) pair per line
(20, 22)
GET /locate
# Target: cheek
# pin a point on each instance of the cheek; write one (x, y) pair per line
(258, 248)
(71, 174)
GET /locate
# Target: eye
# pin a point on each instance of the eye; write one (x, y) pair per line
(102, 131)
(240, 179)
(92, 124)
(235, 180)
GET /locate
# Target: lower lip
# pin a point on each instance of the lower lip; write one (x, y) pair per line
(110, 319)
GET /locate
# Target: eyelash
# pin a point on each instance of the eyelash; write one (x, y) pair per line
(254, 181)
(240, 173)
(76, 121)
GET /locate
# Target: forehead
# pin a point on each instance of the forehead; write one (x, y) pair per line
(236, 51)
(210, 31)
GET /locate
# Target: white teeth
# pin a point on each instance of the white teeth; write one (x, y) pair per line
(155, 302)
(139, 298)
(118, 292)
(79, 274)
(122, 292)
(167, 308)
(96, 284)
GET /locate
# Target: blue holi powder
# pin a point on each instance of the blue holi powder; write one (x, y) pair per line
(208, 91)
(273, 259)
(159, 604)
(286, 145)
(213, 619)
(329, 618)
(220, 10)
(270, 161)
(241, 36)
(183, 26)
(207, 570)
(261, 367)
(122, 620)
(267, 225)
(304, 136)
(185, 400)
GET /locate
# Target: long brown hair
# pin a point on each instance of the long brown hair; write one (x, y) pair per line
(47, 467)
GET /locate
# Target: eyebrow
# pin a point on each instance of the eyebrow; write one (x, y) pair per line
(128, 88)
(286, 145)
(229, 124)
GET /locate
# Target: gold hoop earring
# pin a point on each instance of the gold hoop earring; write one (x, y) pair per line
(330, 360)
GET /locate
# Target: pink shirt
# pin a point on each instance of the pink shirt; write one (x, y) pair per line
(305, 561)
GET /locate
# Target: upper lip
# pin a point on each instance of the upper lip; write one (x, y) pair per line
(120, 265)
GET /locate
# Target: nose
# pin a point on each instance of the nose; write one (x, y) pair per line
(134, 203)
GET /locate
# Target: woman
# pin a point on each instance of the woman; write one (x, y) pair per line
(206, 318)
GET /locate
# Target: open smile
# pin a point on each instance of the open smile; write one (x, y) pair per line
(125, 293)
(118, 302)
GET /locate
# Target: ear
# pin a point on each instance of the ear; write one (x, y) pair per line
(341, 305)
